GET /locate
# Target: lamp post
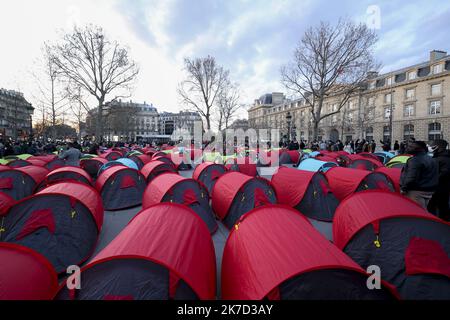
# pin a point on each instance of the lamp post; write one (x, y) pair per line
(289, 120)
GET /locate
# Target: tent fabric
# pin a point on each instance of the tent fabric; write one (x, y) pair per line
(208, 173)
(244, 165)
(272, 244)
(140, 159)
(61, 222)
(83, 193)
(93, 165)
(21, 182)
(19, 163)
(314, 165)
(46, 158)
(410, 245)
(128, 163)
(110, 186)
(306, 191)
(235, 194)
(68, 173)
(155, 168)
(6, 202)
(345, 181)
(25, 274)
(388, 205)
(289, 157)
(398, 161)
(165, 159)
(111, 155)
(171, 187)
(55, 164)
(169, 235)
(363, 162)
(393, 173)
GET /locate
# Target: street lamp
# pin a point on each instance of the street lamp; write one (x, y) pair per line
(289, 120)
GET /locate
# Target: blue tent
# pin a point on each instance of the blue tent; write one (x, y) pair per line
(313, 154)
(119, 162)
(384, 156)
(315, 165)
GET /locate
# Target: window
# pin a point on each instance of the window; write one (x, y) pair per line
(387, 112)
(372, 85)
(408, 132)
(386, 133)
(436, 89)
(410, 93)
(389, 81)
(369, 133)
(408, 110)
(437, 68)
(412, 75)
(435, 107)
(388, 98)
(434, 131)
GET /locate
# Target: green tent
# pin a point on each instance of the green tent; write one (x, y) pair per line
(211, 156)
(24, 156)
(398, 161)
(307, 151)
(4, 162)
(88, 156)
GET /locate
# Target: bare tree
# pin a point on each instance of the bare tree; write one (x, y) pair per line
(78, 106)
(330, 62)
(204, 82)
(52, 96)
(228, 104)
(98, 65)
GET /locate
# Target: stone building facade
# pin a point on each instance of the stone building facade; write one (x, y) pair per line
(15, 115)
(414, 100)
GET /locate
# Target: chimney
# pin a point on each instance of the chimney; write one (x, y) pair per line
(437, 55)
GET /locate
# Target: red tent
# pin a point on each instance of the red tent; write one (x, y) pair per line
(235, 194)
(410, 245)
(393, 173)
(208, 173)
(275, 253)
(62, 222)
(155, 168)
(244, 165)
(25, 274)
(171, 187)
(306, 191)
(111, 155)
(120, 187)
(55, 164)
(66, 174)
(6, 202)
(46, 158)
(289, 157)
(363, 162)
(164, 252)
(346, 181)
(141, 160)
(17, 163)
(160, 154)
(165, 159)
(21, 182)
(92, 165)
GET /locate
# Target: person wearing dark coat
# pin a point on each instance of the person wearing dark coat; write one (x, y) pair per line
(439, 203)
(396, 146)
(420, 175)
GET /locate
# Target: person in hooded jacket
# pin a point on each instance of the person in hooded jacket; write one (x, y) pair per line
(420, 175)
(440, 201)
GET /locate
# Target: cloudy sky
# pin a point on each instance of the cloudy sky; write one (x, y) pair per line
(251, 38)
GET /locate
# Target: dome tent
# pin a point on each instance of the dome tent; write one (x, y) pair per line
(165, 252)
(6, 202)
(111, 155)
(346, 181)
(120, 187)
(171, 187)
(119, 162)
(275, 253)
(155, 168)
(306, 191)
(92, 165)
(165, 159)
(243, 165)
(25, 274)
(235, 194)
(398, 161)
(314, 165)
(55, 164)
(384, 156)
(66, 174)
(393, 173)
(410, 246)
(208, 173)
(140, 159)
(19, 183)
(289, 157)
(61, 222)
(363, 162)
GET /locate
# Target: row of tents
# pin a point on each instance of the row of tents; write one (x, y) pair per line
(272, 251)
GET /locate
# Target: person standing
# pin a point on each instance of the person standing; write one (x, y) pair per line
(420, 175)
(71, 155)
(440, 200)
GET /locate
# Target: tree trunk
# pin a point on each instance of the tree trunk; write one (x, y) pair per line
(99, 124)
(315, 130)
